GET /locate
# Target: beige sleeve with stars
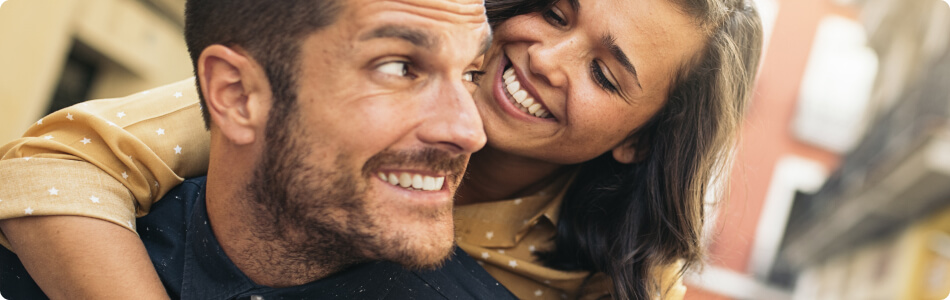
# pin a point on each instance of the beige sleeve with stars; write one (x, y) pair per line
(107, 159)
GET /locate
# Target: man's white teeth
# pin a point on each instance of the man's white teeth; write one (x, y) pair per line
(521, 99)
(414, 181)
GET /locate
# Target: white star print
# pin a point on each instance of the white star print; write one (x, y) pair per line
(485, 255)
(531, 248)
(177, 149)
(40, 122)
(489, 235)
(48, 137)
(156, 184)
(53, 191)
(502, 251)
(110, 123)
(28, 210)
(94, 199)
(120, 114)
(517, 201)
(538, 293)
(177, 95)
(69, 116)
(85, 141)
(125, 175)
(512, 263)
(160, 131)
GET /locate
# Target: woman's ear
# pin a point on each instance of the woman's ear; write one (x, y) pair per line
(630, 151)
(233, 84)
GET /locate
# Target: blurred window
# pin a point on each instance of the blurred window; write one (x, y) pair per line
(839, 75)
(74, 82)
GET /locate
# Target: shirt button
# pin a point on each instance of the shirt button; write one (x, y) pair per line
(257, 297)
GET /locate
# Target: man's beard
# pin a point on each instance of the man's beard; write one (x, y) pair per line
(321, 215)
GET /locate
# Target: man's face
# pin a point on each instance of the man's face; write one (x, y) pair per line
(383, 127)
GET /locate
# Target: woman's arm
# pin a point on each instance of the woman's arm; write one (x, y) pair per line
(83, 258)
(97, 165)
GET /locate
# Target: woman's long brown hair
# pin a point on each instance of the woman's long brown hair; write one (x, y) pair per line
(629, 220)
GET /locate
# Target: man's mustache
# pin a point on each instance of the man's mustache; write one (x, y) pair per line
(430, 159)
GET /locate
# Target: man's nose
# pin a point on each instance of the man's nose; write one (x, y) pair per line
(453, 122)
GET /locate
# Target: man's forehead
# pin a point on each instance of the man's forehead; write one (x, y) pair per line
(453, 11)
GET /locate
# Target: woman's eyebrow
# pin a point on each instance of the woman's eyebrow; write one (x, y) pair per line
(610, 42)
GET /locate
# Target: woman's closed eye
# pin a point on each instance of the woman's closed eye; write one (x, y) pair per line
(555, 16)
(600, 77)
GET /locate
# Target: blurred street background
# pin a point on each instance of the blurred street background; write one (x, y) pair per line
(841, 182)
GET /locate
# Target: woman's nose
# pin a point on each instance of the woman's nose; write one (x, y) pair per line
(549, 59)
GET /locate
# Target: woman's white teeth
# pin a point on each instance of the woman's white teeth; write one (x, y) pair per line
(509, 73)
(414, 181)
(534, 108)
(521, 96)
(513, 87)
(527, 103)
(521, 99)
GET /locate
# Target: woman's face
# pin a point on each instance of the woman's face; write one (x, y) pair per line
(570, 83)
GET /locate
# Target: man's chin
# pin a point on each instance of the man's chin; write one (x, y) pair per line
(420, 251)
(433, 258)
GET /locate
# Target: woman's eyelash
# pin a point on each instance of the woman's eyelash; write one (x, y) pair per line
(550, 14)
(600, 78)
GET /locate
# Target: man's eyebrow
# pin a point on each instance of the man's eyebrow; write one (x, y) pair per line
(610, 42)
(418, 37)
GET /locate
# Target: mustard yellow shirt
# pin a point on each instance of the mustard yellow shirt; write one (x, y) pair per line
(111, 159)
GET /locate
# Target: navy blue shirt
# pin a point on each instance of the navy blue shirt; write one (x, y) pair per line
(192, 265)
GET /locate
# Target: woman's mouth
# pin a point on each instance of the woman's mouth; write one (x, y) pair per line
(519, 97)
(522, 102)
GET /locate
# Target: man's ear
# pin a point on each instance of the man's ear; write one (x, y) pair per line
(631, 150)
(236, 92)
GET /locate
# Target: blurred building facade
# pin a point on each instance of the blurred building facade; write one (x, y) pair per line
(838, 190)
(57, 52)
(879, 228)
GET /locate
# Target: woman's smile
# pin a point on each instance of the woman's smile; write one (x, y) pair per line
(517, 96)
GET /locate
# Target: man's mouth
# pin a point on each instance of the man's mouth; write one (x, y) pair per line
(411, 181)
(519, 97)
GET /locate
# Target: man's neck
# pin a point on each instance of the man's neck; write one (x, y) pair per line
(264, 253)
(495, 175)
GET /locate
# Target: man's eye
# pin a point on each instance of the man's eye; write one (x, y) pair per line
(396, 68)
(473, 76)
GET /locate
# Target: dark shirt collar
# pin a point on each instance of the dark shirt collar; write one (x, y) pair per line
(209, 273)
